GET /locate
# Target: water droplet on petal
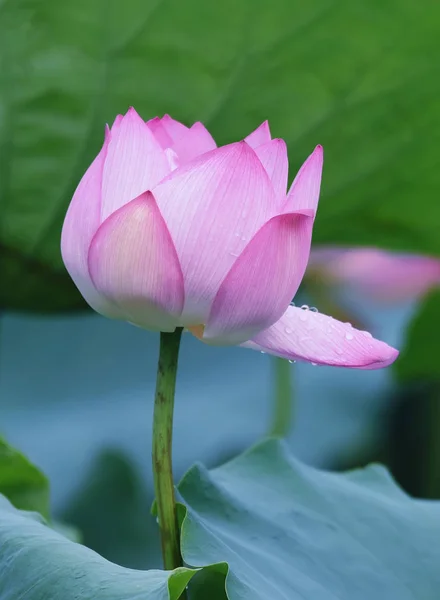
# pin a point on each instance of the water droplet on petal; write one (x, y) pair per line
(367, 334)
(314, 309)
(292, 362)
(262, 352)
(292, 303)
(305, 307)
(303, 316)
(314, 364)
(288, 330)
(348, 336)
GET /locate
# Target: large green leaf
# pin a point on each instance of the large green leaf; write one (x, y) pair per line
(21, 482)
(357, 76)
(36, 563)
(283, 530)
(271, 526)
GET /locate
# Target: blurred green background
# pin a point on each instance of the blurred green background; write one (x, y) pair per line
(360, 77)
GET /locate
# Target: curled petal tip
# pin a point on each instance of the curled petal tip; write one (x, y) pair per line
(387, 359)
(260, 136)
(304, 191)
(273, 157)
(132, 112)
(313, 337)
(318, 153)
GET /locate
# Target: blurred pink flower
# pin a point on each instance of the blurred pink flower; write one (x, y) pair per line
(380, 275)
(167, 230)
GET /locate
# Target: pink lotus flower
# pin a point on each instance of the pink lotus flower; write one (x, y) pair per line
(380, 275)
(167, 230)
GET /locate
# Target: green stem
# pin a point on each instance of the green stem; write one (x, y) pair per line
(162, 448)
(283, 398)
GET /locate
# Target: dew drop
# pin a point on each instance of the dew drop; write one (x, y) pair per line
(262, 352)
(305, 307)
(314, 364)
(348, 336)
(313, 309)
(292, 303)
(303, 316)
(292, 362)
(367, 334)
(288, 330)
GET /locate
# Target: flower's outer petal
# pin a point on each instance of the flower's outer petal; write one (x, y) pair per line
(133, 263)
(260, 136)
(212, 207)
(196, 141)
(116, 123)
(80, 224)
(175, 129)
(263, 281)
(380, 275)
(160, 133)
(304, 191)
(273, 156)
(135, 163)
(313, 337)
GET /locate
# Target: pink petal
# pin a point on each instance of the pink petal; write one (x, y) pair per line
(213, 206)
(273, 156)
(304, 191)
(260, 136)
(262, 281)
(383, 276)
(313, 337)
(160, 133)
(81, 222)
(172, 158)
(116, 123)
(193, 143)
(175, 129)
(133, 263)
(135, 163)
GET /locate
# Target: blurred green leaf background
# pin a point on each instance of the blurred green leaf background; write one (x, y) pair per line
(361, 78)
(358, 77)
